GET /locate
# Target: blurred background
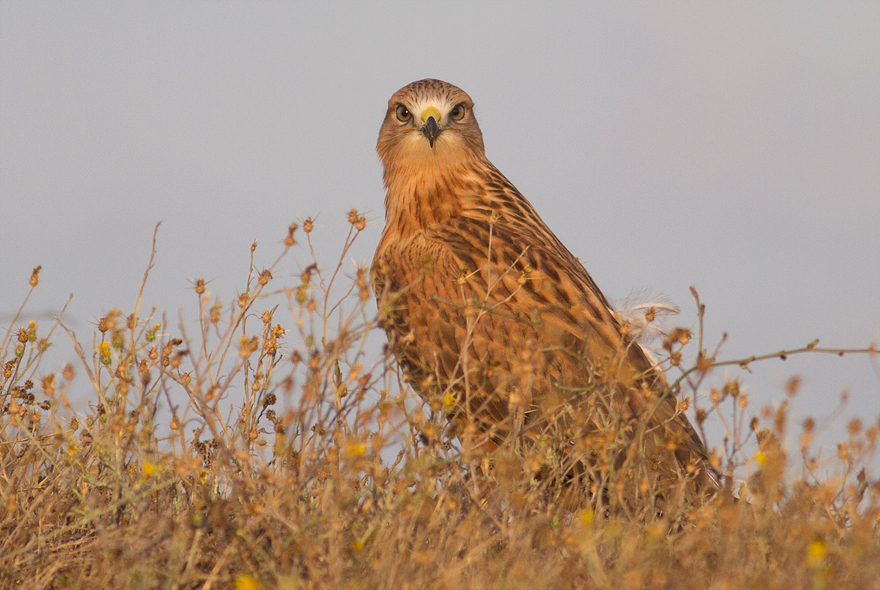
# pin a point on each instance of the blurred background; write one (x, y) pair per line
(733, 147)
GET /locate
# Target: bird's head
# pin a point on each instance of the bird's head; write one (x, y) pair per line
(429, 123)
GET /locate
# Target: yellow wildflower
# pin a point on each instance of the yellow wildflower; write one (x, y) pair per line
(816, 552)
(357, 449)
(246, 583)
(586, 516)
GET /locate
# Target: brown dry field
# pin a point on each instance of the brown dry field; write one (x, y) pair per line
(273, 448)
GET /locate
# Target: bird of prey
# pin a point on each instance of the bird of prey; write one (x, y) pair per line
(496, 323)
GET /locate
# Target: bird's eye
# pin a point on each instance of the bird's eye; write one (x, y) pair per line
(403, 114)
(458, 112)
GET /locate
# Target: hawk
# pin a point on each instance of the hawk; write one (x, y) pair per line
(496, 323)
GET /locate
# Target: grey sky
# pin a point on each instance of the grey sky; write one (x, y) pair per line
(733, 147)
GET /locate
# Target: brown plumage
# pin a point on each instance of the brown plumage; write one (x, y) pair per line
(497, 323)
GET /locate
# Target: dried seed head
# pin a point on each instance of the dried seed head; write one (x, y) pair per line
(855, 426)
(731, 388)
(248, 345)
(289, 241)
(108, 323)
(35, 276)
(809, 425)
(215, 312)
(307, 273)
(48, 383)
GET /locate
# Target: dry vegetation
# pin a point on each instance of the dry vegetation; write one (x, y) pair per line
(273, 449)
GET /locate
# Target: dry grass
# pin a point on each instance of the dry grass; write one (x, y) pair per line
(273, 449)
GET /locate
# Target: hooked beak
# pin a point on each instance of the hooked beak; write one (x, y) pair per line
(431, 130)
